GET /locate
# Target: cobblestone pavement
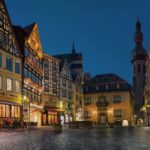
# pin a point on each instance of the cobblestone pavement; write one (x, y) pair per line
(77, 139)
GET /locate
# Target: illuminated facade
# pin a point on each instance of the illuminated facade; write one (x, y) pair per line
(71, 90)
(146, 107)
(108, 99)
(10, 69)
(51, 90)
(30, 45)
(66, 93)
(78, 97)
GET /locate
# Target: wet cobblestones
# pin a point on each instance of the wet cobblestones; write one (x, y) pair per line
(77, 139)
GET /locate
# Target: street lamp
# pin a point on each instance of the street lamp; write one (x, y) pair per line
(26, 108)
(24, 97)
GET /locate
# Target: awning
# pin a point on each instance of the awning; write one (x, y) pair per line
(9, 103)
(36, 106)
(54, 109)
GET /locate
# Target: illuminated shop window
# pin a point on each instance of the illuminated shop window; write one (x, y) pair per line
(4, 110)
(0, 82)
(18, 87)
(15, 111)
(9, 84)
(0, 60)
(7, 108)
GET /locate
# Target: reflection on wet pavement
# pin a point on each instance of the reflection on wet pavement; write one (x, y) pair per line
(77, 139)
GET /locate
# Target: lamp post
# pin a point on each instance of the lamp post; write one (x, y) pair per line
(25, 105)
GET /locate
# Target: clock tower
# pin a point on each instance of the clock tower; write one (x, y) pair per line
(139, 56)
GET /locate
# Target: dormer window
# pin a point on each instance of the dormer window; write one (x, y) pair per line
(107, 87)
(118, 86)
(97, 88)
(86, 89)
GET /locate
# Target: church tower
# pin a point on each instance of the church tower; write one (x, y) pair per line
(139, 62)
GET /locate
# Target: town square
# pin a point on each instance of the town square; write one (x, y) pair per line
(95, 95)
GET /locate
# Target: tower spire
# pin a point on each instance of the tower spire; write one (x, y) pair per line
(138, 34)
(73, 49)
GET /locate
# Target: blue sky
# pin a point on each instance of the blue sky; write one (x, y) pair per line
(103, 30)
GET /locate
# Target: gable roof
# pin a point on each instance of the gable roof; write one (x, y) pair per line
(28, 29)
(24, 34)
(12, 29)
(20, 35)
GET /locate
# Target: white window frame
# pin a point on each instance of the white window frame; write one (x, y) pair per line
(10, 85)
(17, 91)
(1, 82)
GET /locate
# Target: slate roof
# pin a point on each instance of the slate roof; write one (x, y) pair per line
(20, 35)
(106, 83)
(70, 57)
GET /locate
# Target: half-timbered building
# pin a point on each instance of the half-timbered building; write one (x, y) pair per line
(31, 48)
(10, 69)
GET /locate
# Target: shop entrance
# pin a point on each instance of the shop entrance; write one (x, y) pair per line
(52, 118)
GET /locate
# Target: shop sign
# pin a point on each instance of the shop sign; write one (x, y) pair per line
(52, 113)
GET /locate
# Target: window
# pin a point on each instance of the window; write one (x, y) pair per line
(107, 87)
(88, 114)
(97, 88)
(4, 110)
(64, 82)
(1, 37)
(69, 85)
(139, 68)
(7, 110)
(25, 72)
(0, 60)
(118, 86)
(18, 87)
(63, 93)
(9, 84)
(26, 52)
(9, 63)
(15, 112)
(144, 69)
(117, 99)
(87, 101)
(0, 82)
(102, 101)
(117, 113)
(69, 95)
(17, 67)
(1, 19)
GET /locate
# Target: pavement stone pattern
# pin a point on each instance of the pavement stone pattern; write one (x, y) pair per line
(77, 139)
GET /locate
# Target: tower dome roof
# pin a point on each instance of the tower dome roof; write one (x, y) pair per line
(139, 51)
